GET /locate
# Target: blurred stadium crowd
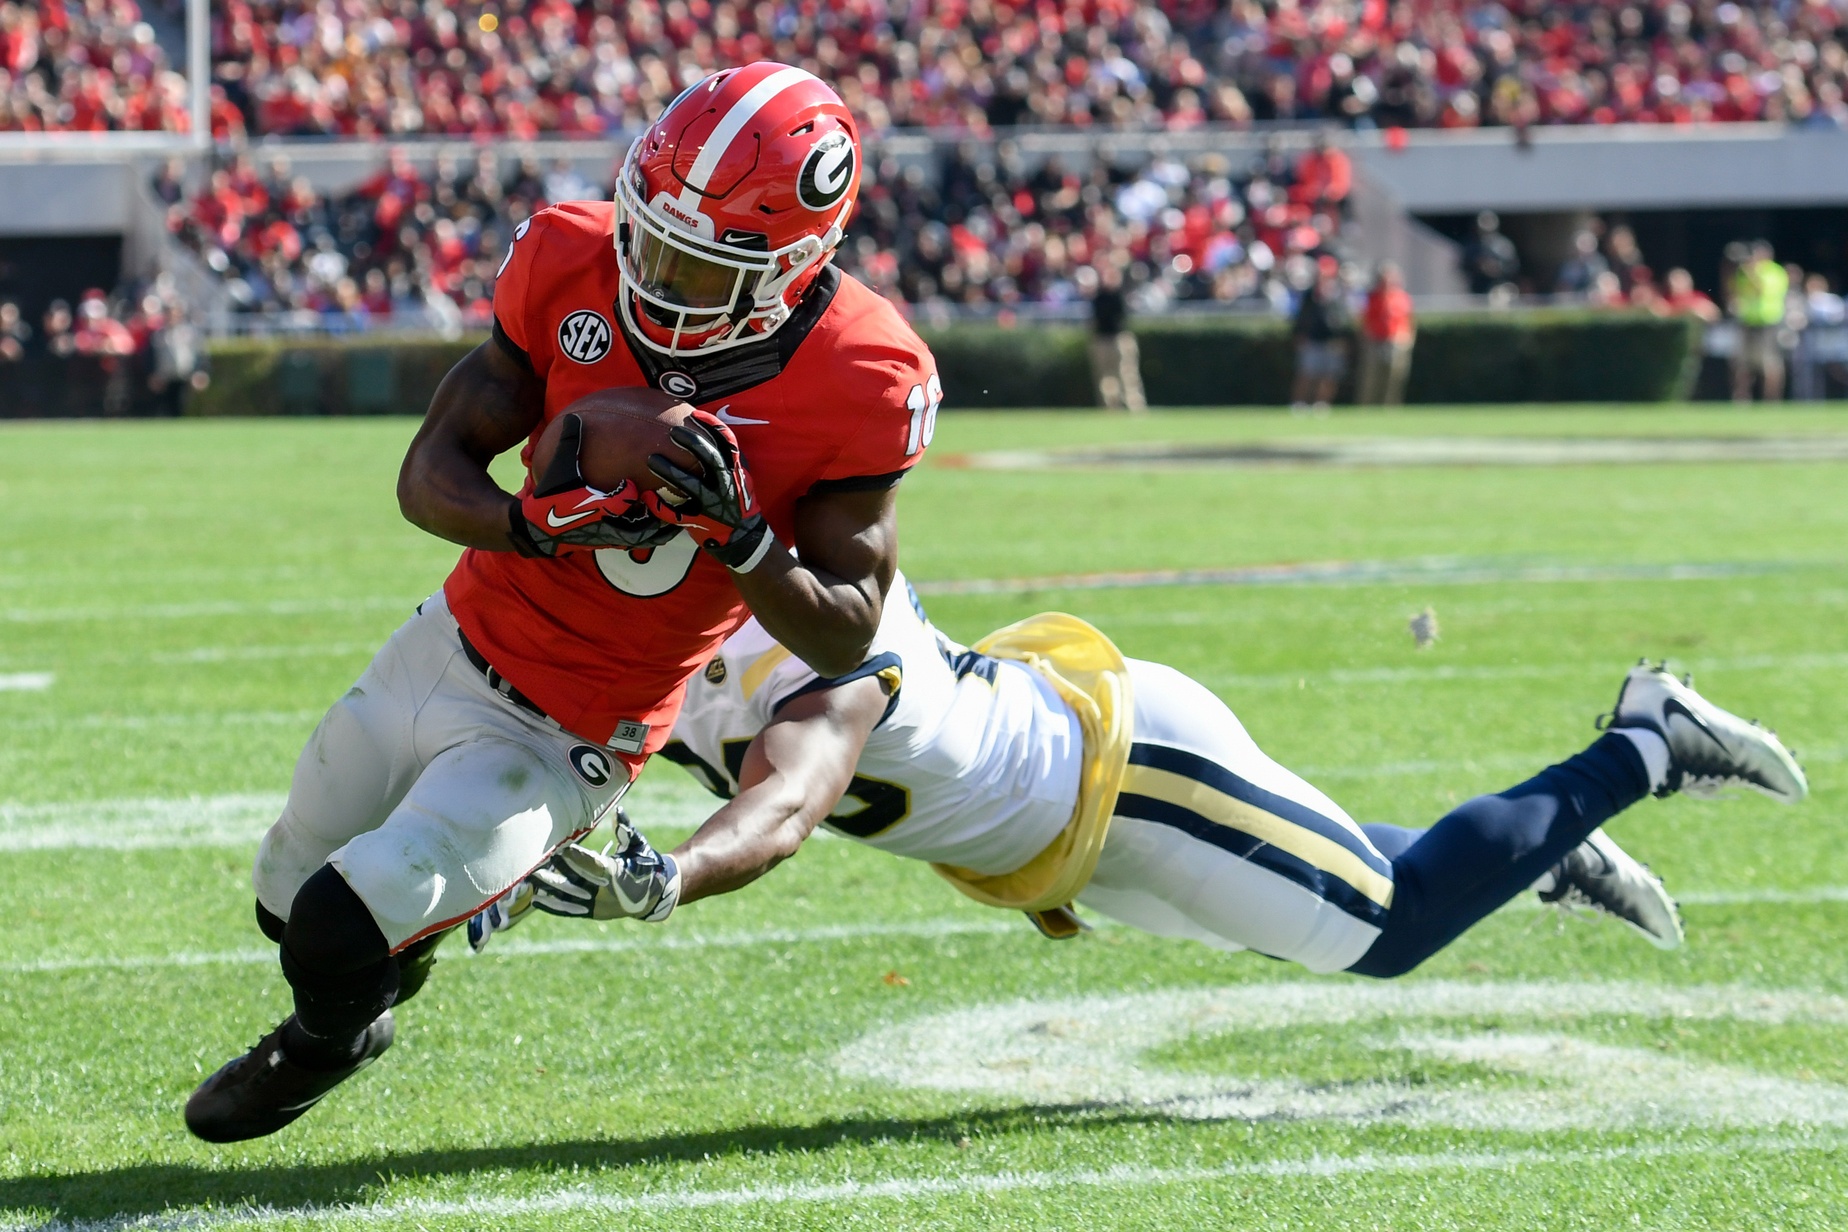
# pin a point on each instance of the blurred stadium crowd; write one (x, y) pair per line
(986, 230)
(521, 68)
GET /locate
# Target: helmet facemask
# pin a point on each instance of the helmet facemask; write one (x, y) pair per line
(704, 294)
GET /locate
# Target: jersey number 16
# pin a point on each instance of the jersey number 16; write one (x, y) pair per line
(922, 402)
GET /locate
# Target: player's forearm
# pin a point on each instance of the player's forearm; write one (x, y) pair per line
(485, 406)
(826, 621)
(453, 498)
(744, 840)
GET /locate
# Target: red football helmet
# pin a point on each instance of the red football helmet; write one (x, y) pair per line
(727, 208)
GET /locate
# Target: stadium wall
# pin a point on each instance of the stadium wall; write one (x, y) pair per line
(1540, 355)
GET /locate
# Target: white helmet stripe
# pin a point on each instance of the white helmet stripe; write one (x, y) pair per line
(733, 122)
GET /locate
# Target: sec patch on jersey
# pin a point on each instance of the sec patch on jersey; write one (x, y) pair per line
(585, 336)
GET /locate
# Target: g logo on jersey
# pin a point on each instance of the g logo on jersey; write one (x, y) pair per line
(826, 172)
(591, 763)
(584, 336)
(679, 384)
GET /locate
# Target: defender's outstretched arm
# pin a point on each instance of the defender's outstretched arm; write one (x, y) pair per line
(490, 402)
(794, 773)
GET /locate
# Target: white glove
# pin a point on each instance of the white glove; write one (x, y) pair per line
(627, 880)
(500, 915)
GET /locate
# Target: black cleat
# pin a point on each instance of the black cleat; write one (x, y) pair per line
(262, 1091)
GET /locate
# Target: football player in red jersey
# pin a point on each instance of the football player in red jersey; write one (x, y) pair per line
(512, 711)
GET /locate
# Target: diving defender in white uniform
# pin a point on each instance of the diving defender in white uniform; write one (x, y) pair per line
(1041, 768)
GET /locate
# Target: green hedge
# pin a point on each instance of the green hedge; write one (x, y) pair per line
(325, 376)
(1532, 355)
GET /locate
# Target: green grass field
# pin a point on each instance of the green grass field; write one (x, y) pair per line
(849, 1042)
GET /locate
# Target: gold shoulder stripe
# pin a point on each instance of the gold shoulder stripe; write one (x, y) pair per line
(1214, 805)
(760, 669)
(890, 678)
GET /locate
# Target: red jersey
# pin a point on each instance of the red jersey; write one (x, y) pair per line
(843, 397)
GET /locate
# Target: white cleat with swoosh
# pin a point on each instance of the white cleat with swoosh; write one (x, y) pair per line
(1709, 749)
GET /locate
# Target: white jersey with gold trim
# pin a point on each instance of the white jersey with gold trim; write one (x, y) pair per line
(976, 762)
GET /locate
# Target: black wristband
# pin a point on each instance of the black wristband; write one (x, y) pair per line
(746, 548)
(519, 534)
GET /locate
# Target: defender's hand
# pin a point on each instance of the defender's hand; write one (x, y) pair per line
(499, 916)
(721, 506)
(627, 880)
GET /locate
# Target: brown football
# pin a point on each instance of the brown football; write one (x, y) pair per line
(621, 428)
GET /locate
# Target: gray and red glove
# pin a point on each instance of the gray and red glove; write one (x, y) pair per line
(560, 513)
(720, 510)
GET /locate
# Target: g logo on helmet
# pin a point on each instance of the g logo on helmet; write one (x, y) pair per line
(827, 172)
(584, 336)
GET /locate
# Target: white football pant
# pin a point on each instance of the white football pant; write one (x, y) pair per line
(1215, 842)
(430, 792)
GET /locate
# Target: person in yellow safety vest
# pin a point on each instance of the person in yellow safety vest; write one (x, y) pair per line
(1759, 288)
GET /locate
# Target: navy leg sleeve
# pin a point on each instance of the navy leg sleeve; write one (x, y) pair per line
(1390, 841)
(1487, 850)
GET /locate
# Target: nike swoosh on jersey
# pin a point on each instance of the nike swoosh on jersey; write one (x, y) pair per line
(555, 522)
(736, 421)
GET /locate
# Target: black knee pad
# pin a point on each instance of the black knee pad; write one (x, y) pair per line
(269, 923)
(330, 930)
(335, 959)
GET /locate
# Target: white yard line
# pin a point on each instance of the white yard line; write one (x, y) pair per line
(1437, 572)
(1439, 673)
(196, 611)
(666, 942)
(585, 1198)
(1723, 898)
(199, 821)
(26, 682)
(1361, 451)
(153, 722)
(243, 654)
(515, 949)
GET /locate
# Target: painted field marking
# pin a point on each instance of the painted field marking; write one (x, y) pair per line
(516, 949)
(1441, 673)
(195, 611)
(26, 682)
(245, 654)
(925, 929)
(1727, 898)
(155, 722)
(197, 821)
(234, 820)
(1091, 1050)
(1395, 451)
(1438, 572)
(581, 1197)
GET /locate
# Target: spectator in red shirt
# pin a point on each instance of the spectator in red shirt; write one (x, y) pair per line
(99, 334)
(1389, 327)
(1681, 298)
(1324, 177)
